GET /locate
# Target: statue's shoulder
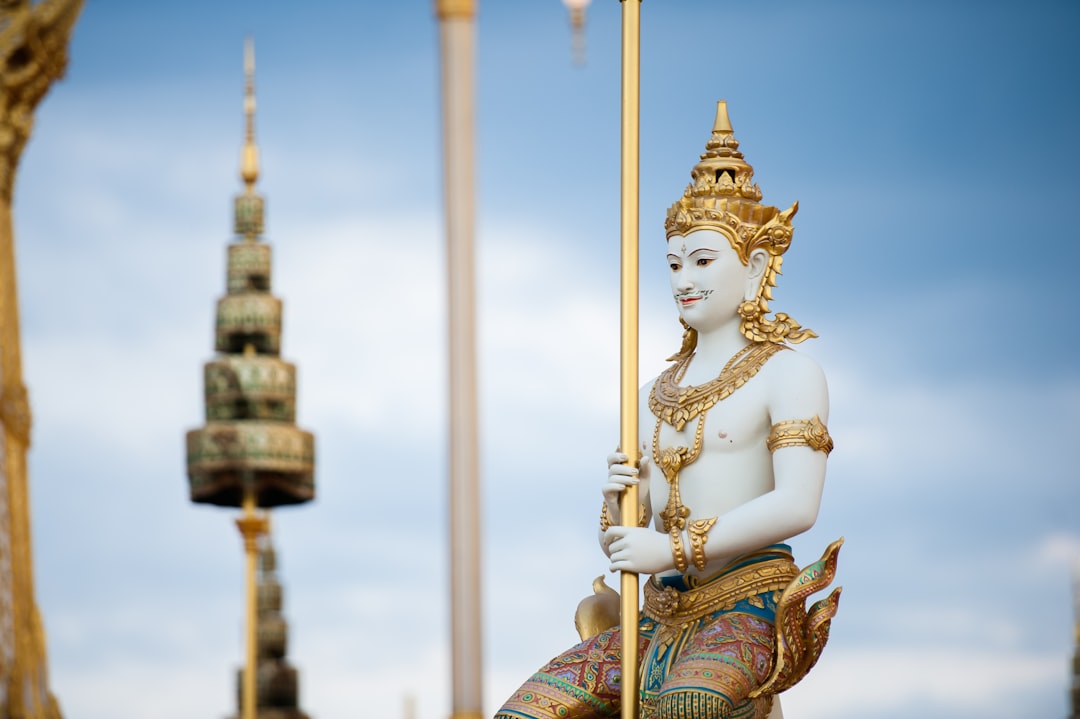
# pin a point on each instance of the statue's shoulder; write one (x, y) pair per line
(796, 379)
(791, 360)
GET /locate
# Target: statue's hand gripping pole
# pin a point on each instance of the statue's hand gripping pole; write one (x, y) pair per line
(628, 503)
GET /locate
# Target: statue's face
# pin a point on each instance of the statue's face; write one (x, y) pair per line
(707, 278)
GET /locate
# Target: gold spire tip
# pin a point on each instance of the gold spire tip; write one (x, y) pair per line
(249, 56)
(723, 122)
(577, 28)
(249, 163)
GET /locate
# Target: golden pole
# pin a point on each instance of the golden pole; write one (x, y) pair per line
(457, 30)
(628, 435)
(251, 526)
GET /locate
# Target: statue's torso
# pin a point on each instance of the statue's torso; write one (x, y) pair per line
(734, 466)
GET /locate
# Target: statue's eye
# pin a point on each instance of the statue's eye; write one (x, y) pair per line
(675, 266)
(704, 261)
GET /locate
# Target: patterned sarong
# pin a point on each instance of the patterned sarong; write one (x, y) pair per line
(705, 645)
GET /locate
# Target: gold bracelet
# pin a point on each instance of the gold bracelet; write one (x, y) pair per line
(699, 534)
(677, 550)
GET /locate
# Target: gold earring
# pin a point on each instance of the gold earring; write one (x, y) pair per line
(750, 310)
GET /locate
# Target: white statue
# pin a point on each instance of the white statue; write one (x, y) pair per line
(758, 497)
(734, 451)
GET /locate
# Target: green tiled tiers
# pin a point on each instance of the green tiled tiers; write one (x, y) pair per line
(250, 432)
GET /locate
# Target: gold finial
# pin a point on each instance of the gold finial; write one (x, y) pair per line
(249, 162)
(723, 123)
(722, 192)
(577, 28)
(249, 206)
(446, 9)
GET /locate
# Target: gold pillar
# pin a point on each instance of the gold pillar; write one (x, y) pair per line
(252, 526)
(33, 54)
(628, 435)
(457, 32)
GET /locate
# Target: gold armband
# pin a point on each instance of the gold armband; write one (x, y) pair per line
(699, 534)
(677, 549)
(605, 518)
(810, 433)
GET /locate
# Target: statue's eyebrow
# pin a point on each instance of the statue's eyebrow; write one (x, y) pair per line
(701, 249)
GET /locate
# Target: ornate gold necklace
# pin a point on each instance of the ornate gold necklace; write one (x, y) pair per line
(678, 405)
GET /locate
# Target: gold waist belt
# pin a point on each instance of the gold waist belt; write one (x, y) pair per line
(667, 605)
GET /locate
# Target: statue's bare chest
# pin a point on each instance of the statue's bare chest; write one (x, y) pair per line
(725, 413)
(735, 424)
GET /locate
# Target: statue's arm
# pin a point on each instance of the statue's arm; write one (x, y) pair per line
(800, 394)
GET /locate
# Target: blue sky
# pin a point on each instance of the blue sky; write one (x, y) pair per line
(932, 149)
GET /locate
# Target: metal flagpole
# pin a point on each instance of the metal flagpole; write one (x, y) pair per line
(457, 30)
(628, 435)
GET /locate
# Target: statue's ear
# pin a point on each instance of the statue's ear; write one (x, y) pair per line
(756, 265)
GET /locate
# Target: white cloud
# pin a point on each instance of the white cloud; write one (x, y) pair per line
(147, 687)
(1060, 548)
(934, 680)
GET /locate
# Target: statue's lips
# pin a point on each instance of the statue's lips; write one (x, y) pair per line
(687, 301)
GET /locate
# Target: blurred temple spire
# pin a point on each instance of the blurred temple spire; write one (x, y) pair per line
(33, 54)
(277, 693)
(1074, 694)
(250, 453)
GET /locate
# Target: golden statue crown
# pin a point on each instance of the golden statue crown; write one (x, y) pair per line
(723, 196)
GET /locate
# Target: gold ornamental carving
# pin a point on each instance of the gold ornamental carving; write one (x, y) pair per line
(677, 405)
(810, 433)
(15, 412)
(668, 606)
(801, 632)
(33, 54)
